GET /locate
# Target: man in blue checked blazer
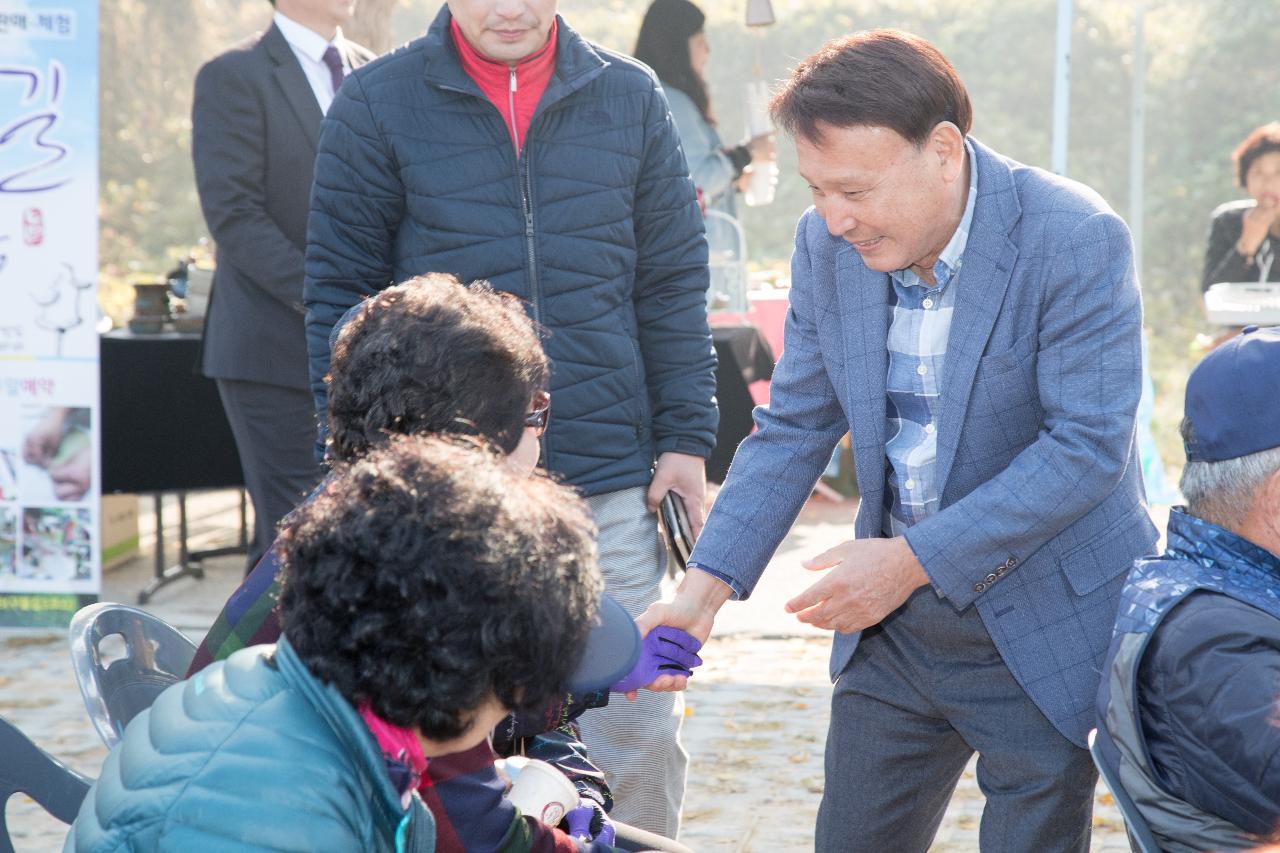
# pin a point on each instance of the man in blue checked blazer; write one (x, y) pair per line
(974, 324)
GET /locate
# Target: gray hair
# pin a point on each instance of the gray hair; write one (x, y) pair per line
(1222, 492)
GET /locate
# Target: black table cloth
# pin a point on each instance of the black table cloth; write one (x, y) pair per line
(744, 357)
(163, 429)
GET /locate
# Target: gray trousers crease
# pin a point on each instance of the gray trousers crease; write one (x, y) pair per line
(275, 432)
(924, 691)
(637, 745)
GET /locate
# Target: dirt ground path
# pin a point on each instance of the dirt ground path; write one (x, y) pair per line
(756, 744)
(756, 712)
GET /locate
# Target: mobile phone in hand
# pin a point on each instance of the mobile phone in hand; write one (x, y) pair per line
(676, 527)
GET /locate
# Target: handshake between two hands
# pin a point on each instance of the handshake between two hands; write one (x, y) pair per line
(665, 651)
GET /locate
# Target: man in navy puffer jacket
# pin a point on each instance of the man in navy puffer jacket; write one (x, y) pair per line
(503, 146)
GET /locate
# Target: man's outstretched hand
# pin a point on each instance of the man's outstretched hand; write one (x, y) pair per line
(692, 610)
(666, 651)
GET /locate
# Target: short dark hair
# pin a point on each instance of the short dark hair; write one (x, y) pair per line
(876, 78)
(432, 355)
(428, 576)
(1261, 140)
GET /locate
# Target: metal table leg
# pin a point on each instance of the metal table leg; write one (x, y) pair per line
(242, 543)
(190, 563)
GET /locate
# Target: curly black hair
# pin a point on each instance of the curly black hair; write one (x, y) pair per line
(427, 576)
(432, 355)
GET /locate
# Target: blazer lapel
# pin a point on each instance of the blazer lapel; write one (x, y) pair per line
(984, 276)
(864, 313)
(293, 82)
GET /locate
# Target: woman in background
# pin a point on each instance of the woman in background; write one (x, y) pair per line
(672, 42)
(1245, 234)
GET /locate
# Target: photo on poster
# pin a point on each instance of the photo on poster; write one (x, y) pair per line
(10, 452)
(57, 454)
(57, 548)
(8, 541)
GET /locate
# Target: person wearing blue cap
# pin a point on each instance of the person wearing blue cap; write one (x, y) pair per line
(1191, 693)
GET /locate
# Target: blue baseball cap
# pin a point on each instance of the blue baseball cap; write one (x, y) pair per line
(1233, 398)
(612, 649)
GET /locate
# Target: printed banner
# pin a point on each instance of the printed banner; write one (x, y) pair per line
(49, 467)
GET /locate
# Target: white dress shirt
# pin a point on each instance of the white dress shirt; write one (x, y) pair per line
(309, 46)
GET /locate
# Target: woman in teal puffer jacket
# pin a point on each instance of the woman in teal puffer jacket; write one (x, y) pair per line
(428, 591)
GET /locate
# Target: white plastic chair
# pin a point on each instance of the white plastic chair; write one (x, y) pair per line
(156, 656)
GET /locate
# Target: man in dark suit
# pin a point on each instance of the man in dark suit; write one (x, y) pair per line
(255, 124)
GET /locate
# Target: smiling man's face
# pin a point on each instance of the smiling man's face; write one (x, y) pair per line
(504, 30)
(893, 201)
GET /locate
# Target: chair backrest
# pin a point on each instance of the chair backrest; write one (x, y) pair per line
(28, 769)
(156, 655)
(727, 262)
(1140, 837)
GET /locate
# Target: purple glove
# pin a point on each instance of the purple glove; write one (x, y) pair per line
(666, 651)
(588, 822)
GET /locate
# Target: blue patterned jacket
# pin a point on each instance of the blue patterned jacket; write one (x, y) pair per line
(1042, 509)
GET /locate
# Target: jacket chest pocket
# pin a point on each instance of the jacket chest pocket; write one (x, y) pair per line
(1006, 398)
(1020, 354)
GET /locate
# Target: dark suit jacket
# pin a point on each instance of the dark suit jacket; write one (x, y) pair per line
(254, 126)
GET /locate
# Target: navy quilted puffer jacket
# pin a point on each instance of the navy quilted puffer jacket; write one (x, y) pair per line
(595, 224)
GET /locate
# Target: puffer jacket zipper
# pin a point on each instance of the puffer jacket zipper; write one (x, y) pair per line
(525, 181)
(511, 108)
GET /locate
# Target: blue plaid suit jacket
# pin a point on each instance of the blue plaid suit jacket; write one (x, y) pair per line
(1042, 509)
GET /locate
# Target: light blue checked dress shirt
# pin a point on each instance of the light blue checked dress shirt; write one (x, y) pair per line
(917, 348)
(918, 336)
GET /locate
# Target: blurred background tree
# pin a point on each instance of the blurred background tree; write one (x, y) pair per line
(371, 25)
(150, 53)
(1210, 79)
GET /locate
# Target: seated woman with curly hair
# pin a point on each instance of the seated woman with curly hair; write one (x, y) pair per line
(432, 356)
(429, 356)
(428, 591)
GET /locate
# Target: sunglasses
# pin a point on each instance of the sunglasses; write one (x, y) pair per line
(537, 419)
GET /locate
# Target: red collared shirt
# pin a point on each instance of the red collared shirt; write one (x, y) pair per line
(514, 89)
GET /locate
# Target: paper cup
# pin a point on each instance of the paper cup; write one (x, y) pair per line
(541, 791)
